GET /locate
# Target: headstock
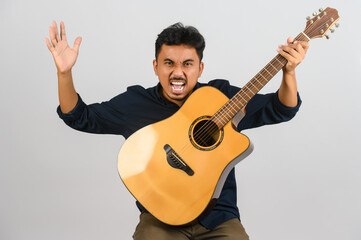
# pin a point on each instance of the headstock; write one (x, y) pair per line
(319, 25)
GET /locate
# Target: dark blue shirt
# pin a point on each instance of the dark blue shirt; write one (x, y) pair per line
(139, 107)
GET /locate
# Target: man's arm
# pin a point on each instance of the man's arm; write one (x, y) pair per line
(65, 58)
(294, 53)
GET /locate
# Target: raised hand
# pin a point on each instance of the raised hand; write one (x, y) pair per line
(294, 52)
(64, 56)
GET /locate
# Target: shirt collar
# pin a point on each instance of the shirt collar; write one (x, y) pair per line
(165, 101)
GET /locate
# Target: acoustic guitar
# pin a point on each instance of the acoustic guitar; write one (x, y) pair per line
(176, 174)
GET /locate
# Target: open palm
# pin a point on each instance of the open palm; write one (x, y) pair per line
(64, 56)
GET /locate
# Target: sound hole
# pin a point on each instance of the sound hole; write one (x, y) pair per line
(206, 133)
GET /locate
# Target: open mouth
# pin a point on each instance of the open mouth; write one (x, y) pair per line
(177, 87)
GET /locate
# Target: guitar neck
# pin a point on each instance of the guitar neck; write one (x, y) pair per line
(238, 101)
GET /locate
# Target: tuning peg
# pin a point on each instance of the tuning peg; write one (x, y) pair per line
(308, 18)
(328, 37)
(332, 30)
(314, 14)
(337, 25)
(321, 9)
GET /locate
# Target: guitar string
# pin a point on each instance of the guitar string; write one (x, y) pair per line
(226, 108)
(204, 131)
(271, 73)
(214, 127)
(219, 116)
(239, 100)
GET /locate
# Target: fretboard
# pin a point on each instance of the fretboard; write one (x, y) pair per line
(240, 100)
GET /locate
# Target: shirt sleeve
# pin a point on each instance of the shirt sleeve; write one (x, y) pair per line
(105, 118)
(267, 109)
(262, 109)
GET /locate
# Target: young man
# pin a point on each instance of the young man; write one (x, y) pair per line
(178, 65)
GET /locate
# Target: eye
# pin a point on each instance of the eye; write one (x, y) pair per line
(188, 64)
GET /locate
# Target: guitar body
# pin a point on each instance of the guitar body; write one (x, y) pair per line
(177, 196)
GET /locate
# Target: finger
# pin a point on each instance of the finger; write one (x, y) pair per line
(283, 53)
(300, 50)
(290, 59)
(304, 45)
(50, 47)
(62, 31)
(77, 43)
(301, 47)
(52, 37)
(288, 49)
(56, 32)
(290, 40)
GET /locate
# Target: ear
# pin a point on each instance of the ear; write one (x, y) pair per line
(201, 67)
(155, 65)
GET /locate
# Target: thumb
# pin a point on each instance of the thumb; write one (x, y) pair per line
(77, 43)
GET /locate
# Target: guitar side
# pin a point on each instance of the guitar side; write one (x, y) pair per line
(168, 193)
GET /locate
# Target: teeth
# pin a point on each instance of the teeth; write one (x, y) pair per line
(178, 89)
(177, 83)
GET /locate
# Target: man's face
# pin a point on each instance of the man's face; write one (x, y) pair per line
(178, 68)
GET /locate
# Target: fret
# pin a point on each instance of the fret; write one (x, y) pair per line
(219, 124)
(252, 91)
(279, 61)
(242, 98)
(268, 72)
(227, 112)
(247, 94)
(236, 102)
(233, 107)
(250, 82)
(221, 118)
(258, 81)
(263, 77)
(274, 67)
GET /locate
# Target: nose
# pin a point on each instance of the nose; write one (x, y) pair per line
(178, 71)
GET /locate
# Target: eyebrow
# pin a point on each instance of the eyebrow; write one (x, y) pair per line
(167, 59)
(170, 60)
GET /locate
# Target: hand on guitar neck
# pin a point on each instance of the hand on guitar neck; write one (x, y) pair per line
(294, 52)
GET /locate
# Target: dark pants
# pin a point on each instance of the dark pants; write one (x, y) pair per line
(150, 228)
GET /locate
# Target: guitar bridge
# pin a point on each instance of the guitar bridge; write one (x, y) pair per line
(175, 161)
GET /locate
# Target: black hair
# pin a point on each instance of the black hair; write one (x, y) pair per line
(178, 34)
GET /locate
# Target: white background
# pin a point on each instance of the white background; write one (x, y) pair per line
(301, 182)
